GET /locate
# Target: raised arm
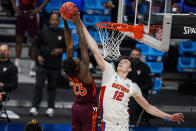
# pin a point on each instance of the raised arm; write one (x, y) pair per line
(93, 46)
(178, 117)
(84, 73)
(68, 39)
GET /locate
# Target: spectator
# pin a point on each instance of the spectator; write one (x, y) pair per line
(140, 75)
(113, 6)
(8, 72)
(33, 126)
(26, 20)
(49, 46)
(175, 7)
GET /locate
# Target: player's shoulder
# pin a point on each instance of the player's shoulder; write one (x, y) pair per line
(133, 84)
(129, 81)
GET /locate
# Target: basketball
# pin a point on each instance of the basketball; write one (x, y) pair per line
(68, 9)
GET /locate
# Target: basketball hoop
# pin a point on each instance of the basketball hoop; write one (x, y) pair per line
(112, 34)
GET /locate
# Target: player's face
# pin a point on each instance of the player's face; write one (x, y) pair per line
(4, 50)
(54, 20)
(135, 54)
(124, 66)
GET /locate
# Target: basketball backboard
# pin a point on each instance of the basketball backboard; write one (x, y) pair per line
(154, 15)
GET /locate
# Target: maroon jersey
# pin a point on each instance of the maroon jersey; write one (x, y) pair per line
(27, 4)
(84, 93)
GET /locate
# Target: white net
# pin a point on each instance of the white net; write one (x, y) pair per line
(111, 40)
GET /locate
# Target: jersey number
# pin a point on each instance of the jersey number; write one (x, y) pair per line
(79, 90)
(118, 96)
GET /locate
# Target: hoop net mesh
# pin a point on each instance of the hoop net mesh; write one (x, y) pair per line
(110, 40)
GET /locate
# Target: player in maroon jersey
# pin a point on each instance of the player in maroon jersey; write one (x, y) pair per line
(84, 110)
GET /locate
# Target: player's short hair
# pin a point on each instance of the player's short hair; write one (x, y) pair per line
(70, 67)
(137, 49)
(132, 61)
(33, 125)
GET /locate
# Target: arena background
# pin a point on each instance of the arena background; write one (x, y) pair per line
(177, 91)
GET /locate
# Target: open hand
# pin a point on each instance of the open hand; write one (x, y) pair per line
(178, 117)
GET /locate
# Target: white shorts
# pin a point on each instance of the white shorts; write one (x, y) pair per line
(115, 127)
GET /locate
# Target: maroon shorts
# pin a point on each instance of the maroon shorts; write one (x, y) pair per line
(25, 21)
(84, 117)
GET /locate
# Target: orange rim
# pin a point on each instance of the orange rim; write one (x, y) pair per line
(137, 30)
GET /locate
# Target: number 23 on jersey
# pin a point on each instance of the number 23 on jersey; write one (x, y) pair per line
(78, 89)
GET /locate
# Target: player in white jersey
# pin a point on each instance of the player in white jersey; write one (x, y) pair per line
(114, 97)
(116, 90)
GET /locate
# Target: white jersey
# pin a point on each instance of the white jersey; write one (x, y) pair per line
(114, 96)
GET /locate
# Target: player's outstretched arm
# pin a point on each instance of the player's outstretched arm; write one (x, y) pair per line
(84, 73)
(93, 46)
(68, 39)
(178, 117)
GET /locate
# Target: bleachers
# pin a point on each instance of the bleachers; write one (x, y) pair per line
(155, 67)
(187, 47)
(92, 20)
(149, 53)
(185, 8)
(157, 85)
(186, 64)
(152, 58)
(187, 59)
(54, 5)
(95, 7)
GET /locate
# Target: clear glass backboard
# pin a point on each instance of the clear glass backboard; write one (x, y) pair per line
(154, 15)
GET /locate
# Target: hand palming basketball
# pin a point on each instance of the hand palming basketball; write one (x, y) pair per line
(67, 10)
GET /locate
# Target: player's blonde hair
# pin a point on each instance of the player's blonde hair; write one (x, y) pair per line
(133, 61)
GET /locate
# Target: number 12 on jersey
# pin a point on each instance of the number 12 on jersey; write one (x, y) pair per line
(118, 96)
